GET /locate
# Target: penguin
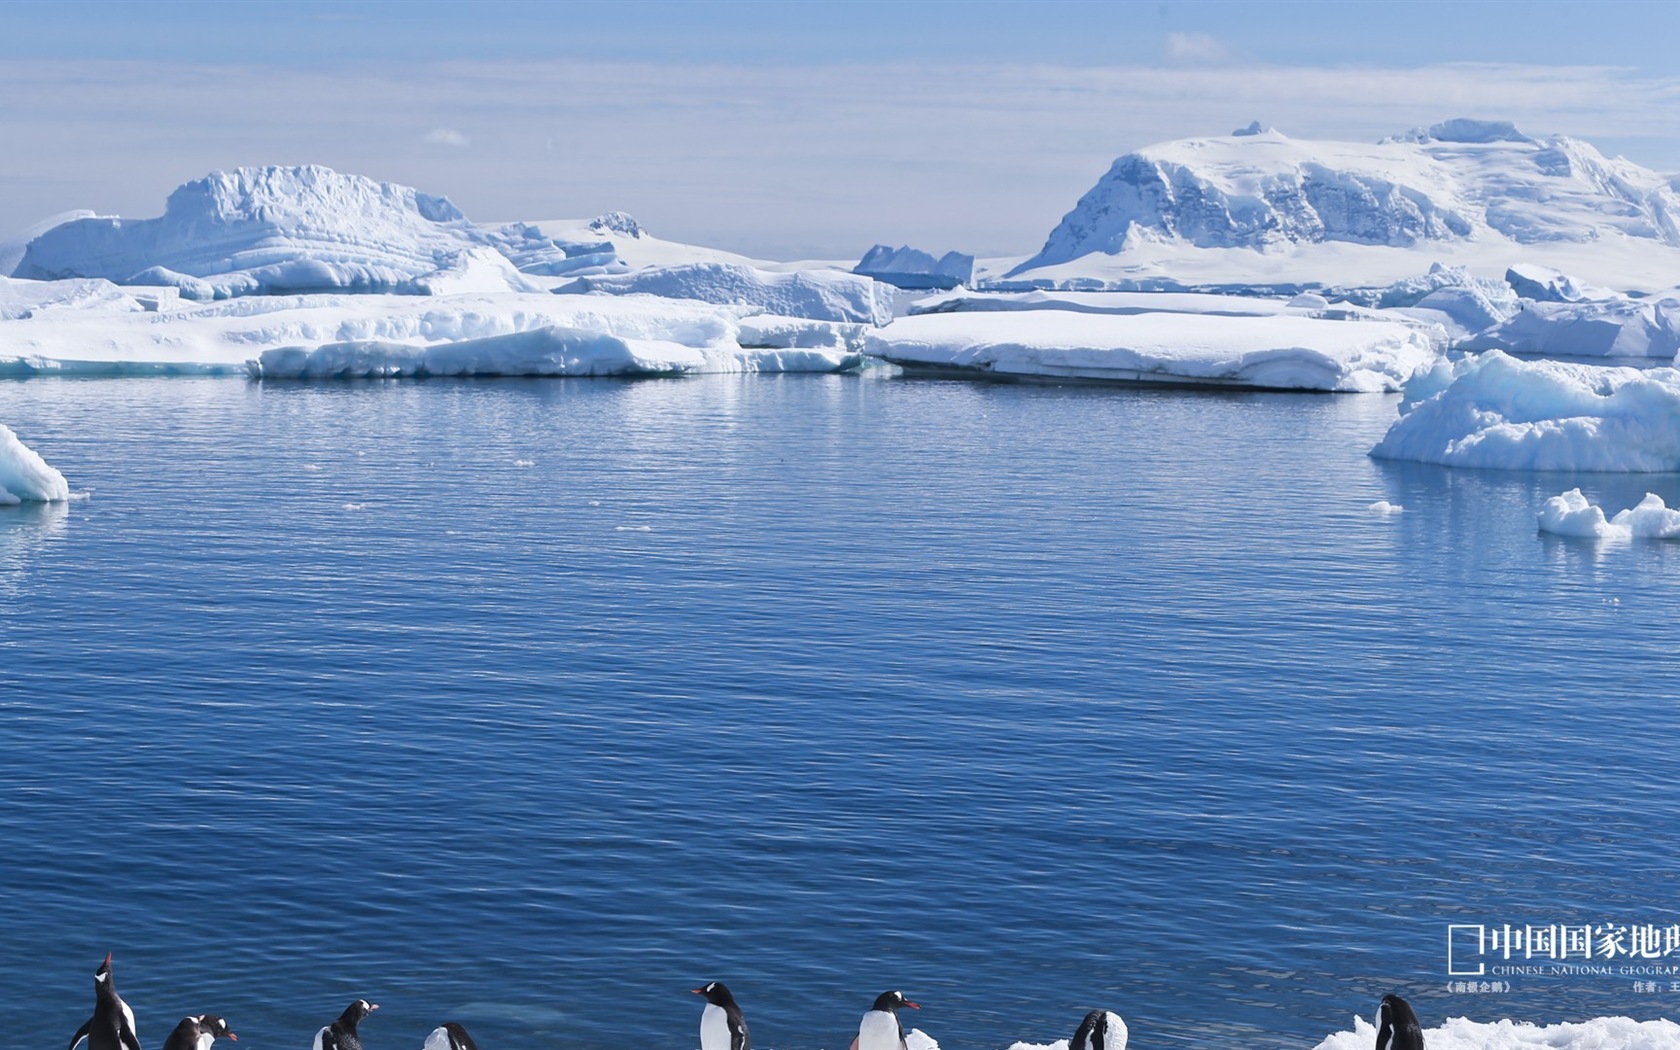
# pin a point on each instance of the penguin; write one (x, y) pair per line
(197, 1033)
(341, 1034)
(449, 1036)
(1101, 1030)
(881, 1028)
(721, 1025)
(112, 1025)
(1397, 1025)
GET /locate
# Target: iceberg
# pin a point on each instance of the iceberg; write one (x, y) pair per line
(266, 231)
(909, 268)
(1263, 209)
(550, 351)
(1279, 352)
(1493, 410)
(1617, 328)
(1546, 285)
(825, 295)
(24, 475)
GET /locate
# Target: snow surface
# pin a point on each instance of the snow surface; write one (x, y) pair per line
(95, 327)
(1265, 209)
(24, 475)
(1572, 515)
(1619, 327)
(1493, 410)
(821, 295)
(1458, 1033)
(1273, 352)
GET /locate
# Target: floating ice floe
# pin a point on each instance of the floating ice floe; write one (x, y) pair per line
(824, 295)
(97, 328)
(1493, 410)
(1458, 1033)
(1572, 515)
(1280, 352)
(1616, 327)
(551, 351)
(24, 475)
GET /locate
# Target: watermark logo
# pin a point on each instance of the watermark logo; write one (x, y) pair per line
(1481, 950)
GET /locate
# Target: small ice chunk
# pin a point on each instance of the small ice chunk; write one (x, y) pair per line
(1571, 514)
(24, 475)
(1384, 507)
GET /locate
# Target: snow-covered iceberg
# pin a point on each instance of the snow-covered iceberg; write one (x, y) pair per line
(1571, 514)
(1459, 1033)
(1265, 209)
(1282, 352)
(1493, 410)
(908, 267)
(267, 231)
(24, 475)
(825, 295)
(1615, 328)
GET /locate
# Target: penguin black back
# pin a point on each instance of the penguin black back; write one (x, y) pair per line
(449, 1036)
(1397, 1025)
(112, 1025)
(1100, 1030)
(342, 1034)
(198, 1032)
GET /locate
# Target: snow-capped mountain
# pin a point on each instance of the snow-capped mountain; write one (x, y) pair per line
(1463, 190)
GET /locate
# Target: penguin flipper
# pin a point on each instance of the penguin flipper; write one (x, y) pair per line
(129, 1039)
(81, 1033)
(324, 1039)
(739, 1038)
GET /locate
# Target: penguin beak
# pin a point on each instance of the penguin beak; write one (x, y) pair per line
(697, 991)
(372, 1007)
(235, 1038)
(911, 1005)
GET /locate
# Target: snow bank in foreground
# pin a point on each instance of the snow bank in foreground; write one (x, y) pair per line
(1572, 515)
(553, 351)
(1276, 352)
(24, 475)
(1458, 1033)
(824, 295)
(1496, 411)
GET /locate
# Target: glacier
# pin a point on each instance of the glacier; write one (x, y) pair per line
(24, 475)
(830, 295)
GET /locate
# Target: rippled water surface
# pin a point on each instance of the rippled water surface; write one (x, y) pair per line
(534, 704)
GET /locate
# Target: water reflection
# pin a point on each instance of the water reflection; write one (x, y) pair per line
(24, 528)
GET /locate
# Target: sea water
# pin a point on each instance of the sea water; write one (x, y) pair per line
(533, 705)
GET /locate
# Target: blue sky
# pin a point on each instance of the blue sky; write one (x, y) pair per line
(780, 129)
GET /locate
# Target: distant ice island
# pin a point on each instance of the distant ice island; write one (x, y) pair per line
(1520, 292)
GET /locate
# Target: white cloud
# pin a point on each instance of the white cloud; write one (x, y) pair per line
(1195, 49)
(775, 161)
(446, 137)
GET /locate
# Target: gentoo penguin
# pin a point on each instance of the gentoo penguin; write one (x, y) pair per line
(721, 1025)
(449, 1036)
(880, 1028)
(197, 1033)
(1101, 1030)
(341, 1034)
(112, 1025)
(1397, 1025)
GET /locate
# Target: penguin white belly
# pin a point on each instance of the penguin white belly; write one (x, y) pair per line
(714, 1028)
(320, 1037)
(1115, 1037)
(878, 1031)
(205, 1039)
(438, 1040)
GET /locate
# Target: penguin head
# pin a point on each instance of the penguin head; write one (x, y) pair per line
(716, 993)
(103, 974)
(210, 1024)
(353, 1014)
(891, 1001)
